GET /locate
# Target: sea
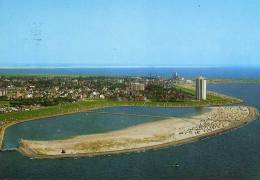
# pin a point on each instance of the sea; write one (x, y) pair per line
(233, 155)
(187, 72)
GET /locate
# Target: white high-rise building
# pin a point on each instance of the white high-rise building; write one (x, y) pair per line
(3, 92)
(201, 88)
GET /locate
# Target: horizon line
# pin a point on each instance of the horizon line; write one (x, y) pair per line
(119, 66)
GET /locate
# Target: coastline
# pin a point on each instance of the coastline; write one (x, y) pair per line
(105, 104)
(253, 113)
(5, 126)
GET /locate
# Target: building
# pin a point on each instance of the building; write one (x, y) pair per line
(201, 88)
(137, 87)
(3, 92)
(175, 76)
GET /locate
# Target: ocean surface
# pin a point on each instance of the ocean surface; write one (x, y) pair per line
(233, 155)
(213, 72)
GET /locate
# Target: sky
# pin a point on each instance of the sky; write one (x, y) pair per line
(129, 33)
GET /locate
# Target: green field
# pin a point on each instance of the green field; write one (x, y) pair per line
(232, 81)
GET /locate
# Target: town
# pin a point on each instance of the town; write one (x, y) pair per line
(27, 92)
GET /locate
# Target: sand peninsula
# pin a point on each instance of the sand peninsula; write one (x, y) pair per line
(152, 135)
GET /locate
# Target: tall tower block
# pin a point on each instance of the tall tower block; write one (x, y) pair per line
(201, 88)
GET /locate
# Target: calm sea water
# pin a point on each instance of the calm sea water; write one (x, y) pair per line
(234, 155)
(214, 72)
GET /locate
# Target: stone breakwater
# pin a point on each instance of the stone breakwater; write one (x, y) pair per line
(152, 135)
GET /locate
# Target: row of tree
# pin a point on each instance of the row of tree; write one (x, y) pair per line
(40, 101)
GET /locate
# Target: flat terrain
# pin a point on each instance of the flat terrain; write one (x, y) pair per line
(232, 81)
(162, 133)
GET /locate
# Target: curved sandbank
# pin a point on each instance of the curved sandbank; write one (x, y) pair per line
(152, 135)
(83, 106)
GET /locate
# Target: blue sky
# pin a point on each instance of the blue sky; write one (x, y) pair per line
(130, 32)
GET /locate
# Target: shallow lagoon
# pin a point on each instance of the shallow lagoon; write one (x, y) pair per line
(61, 127)
(234, 155)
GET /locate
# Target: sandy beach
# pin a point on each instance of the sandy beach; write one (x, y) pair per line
(171, 131)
